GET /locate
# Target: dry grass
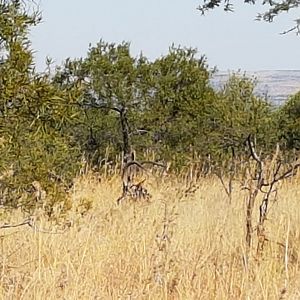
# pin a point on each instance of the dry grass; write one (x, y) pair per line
(173, 248)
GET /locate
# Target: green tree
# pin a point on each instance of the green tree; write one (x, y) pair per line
(33, 114)
(180, 102)
(238, 112)
(114, 92)
(289, 122)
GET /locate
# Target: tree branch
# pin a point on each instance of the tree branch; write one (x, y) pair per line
(26, 222)
(253, 152)
(100, 106)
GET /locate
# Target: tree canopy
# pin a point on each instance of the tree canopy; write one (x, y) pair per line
(95, 109)
(273, 9)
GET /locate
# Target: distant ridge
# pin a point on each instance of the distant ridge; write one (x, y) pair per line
(278, 85)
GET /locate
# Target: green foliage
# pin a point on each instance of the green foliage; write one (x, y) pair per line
(180, 101)
(33, 114)
(273, 8)
(238, 113)
(164, 102)
(109, 103)
(113, 84)
(289, 122)
(169, 106)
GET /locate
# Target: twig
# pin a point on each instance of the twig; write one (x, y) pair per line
(30, 222)
(26, 222)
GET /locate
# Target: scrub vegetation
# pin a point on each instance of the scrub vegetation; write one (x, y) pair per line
(122, 177)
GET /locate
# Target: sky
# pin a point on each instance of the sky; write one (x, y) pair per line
(230, 41)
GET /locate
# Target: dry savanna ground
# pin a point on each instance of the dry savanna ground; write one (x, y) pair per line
(176, 247)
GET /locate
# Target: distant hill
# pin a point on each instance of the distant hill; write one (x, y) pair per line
(278, 85)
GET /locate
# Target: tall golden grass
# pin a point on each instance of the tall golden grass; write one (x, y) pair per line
(179, 246)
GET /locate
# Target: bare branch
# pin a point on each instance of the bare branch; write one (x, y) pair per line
(297, 28)
(290, 30)
(131, 163)
(153, 163)
(288, 173)
(100, 106)
(252, 150)
(26, 222)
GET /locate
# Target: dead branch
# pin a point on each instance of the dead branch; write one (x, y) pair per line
(30, 222)
(265, 176)
(253, 151)
(26, 222)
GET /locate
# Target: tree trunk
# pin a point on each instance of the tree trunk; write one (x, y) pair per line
(125, 134)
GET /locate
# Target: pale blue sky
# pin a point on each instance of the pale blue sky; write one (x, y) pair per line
(230, 41)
